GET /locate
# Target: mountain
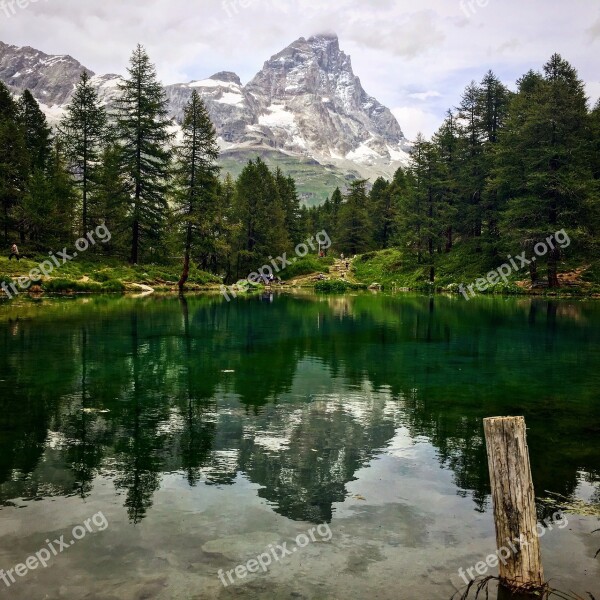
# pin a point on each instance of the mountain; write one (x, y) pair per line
(305, 111)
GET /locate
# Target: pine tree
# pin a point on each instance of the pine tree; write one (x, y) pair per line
(591, 209)
(426, 211)
(142, 128)
(595, 135)
(111, 199)
(494, 102)
(495, 98)
(83, 129)
(355, 231)
(543, 160)
(286, 187)
(383, 213)
(197, 189)
(14, 161)
(36, 131)
(412, 212)
(227, 227)
(472, 175)
(447, 142)
(262, 218)
(48, 208)
(337, 201)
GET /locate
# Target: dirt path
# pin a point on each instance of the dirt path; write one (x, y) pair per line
(341, 269)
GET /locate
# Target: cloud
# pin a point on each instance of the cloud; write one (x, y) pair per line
(594, 30)
(407, 35)
(425, 95)
(592, 90)
(416, 120)
(401, 50)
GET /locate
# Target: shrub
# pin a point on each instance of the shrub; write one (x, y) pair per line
(306, 266)
(7, 280)
(337, 286)
(363, 258)
(58, 286)
(113, 287)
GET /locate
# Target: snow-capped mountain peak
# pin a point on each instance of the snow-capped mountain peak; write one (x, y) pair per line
(306, 102)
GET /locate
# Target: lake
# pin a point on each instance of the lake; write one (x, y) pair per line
(207, 434)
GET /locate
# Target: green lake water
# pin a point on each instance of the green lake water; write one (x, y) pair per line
(207, 431)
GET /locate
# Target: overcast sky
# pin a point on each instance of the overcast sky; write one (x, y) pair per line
(415, 57)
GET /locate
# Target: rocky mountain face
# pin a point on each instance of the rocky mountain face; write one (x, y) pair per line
(49, 78)
(306, 102)
(312, 101)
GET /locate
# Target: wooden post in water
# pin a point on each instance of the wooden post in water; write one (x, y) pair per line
(514, 503)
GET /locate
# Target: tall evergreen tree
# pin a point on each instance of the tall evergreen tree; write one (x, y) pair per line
(14, 161)
(337, 200)
(383, 212)
(355, 230)
(547, 135)
(83, 129)
(427, 209)
(111, 200)
(197, 185)
(227, 228)
(494, 101)
(142, 128)
(36, 131)
(472, 175)
(290, 201)
(48, 208)
(447, 142)
(262, 218)
(595, 135)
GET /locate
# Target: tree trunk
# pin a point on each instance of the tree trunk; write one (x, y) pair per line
(553, 259)
(186, 260)
(554, 255)
(135, 241)
(84, 217)
(514, 502)
(533, 272)
(5, 223)
(449, 240)
(186, 271)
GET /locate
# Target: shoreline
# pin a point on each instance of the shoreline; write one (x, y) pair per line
(143, 290)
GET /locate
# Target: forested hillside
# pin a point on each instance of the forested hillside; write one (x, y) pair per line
(505, 171)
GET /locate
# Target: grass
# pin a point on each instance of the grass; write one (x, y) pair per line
(97, 274)
(395, 268)
(572, 505)
(337, 286)
(478, 588)
(307, 266)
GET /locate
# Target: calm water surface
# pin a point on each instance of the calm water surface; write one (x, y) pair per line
(205, 431)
